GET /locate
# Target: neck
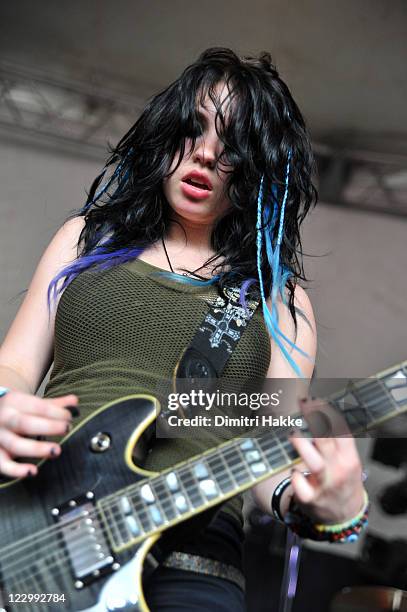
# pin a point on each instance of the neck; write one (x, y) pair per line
(185, 233)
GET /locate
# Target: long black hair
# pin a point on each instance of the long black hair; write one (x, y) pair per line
(126, 209)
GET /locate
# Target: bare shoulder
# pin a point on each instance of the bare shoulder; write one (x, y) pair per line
(68, 235)
(63, 247)
(28, 346)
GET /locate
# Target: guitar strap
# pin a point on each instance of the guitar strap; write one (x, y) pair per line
(215, 339)
(201, 364)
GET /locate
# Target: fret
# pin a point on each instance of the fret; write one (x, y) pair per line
(234, 458)
(222, 475)
(191, 486)
(163, 493)
(273, 450)
(253, 457)
(207, 482)
(153, 505)
(178, 492)
(396, 383)
(355, 413)
(375, 398)
(123, 523)
(113, 531)
(140, 511)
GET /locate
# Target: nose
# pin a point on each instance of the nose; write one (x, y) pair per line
(205, 152)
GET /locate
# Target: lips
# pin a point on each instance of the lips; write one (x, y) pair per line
(198, 180)
(196, 186)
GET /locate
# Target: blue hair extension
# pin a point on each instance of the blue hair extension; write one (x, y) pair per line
(187, 280)
(99, 258)
(280, 274)
(243, 292)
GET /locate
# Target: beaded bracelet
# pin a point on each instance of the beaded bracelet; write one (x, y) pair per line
(348, 531)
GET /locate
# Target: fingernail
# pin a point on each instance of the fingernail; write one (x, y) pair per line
(30, 474)
(68, 427)
(53, 452)
(74, 410)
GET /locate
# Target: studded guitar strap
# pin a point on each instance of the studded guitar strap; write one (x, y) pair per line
(216, 338)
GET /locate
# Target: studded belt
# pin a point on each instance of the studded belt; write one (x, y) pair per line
(202, 565)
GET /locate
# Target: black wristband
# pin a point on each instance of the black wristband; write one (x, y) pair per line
(276, 498)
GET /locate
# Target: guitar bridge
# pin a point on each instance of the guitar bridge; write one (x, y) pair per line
(83, 535)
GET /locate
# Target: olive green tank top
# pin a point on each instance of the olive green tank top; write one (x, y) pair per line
(121, 331)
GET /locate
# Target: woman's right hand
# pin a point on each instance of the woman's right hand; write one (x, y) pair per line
(24, 417)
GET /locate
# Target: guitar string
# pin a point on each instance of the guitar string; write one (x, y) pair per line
(134, 487)
(140, 508)
(214, 457)
(203, 501)
(62, 561)
(143, 508)
(279, 439)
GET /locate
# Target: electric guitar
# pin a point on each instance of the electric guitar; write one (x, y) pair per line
(75, 538)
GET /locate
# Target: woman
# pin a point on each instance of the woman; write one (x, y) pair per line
(210, 185)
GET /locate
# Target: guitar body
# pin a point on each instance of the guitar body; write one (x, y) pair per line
(76, 536)
(80, 564)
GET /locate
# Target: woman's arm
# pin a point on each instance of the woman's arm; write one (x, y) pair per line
(25, 357)
(306, 340)
(334, 490)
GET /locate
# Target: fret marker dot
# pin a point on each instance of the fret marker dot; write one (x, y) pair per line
(147, 494)
(172, 481)
(252, 456)
(258, 468)
(181, 503)
(247, 445)
(208, 487)
(132, 525)
(125, 505)
(201, 471)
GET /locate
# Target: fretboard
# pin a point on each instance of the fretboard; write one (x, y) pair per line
(191, 487)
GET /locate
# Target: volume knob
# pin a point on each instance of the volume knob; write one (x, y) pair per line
(100, 442)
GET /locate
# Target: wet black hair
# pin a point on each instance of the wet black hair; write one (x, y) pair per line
(261, 128)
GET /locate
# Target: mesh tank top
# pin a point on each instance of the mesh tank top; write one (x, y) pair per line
(122, 331)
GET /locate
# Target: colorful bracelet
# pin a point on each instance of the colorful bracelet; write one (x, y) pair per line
(348, 531)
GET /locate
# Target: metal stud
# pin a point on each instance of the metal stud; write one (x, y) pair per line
(78, 584)
(54, 511)
(90, 495)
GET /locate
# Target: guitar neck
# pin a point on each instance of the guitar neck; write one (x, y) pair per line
(191, 487)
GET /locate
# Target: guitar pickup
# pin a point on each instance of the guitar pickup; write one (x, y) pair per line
(83, 536)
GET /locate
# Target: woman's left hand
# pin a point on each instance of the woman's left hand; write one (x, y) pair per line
(333, 492)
